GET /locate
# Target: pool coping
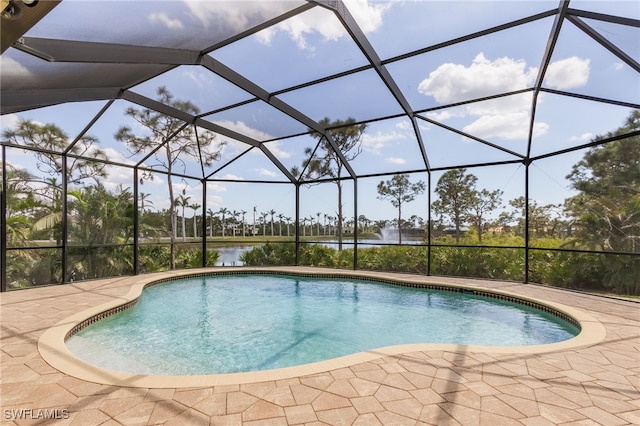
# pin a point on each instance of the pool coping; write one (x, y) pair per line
(53, 349)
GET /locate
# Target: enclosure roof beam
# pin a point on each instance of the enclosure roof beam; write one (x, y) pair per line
(14, 101)
(358, 36)
(471, 36)
(230, 75)
(266, 24)
(188, 118)
(621, 20)
(604, 42)
(546, 59)
(53, 50)
(467, 135)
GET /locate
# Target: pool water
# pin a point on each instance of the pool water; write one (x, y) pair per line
(239, 323)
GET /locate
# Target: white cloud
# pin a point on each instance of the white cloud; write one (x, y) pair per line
(439, 116)
(455, 82)
(199, 78)
(157, 180)
(232, 147)
(264, 172)
(275, 148)
(215, 187)
(229, 176)
(171, 23)
(8, 121)
(568, 73)
(301, 26)
(618, 66)
(585, 137)
(242, 128)
(160, 203)
(117, 156)
(504, 105)
(118, 176)
(368, 14)
(180, 187)
(505, 126)
(424, 126)
(239, 15)
(507, 117)
(404, 125)
(11, 67)
(265, 36)
(375, 143)
(214, 201)
(395, 160)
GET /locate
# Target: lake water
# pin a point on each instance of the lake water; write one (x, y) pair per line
(230, 256)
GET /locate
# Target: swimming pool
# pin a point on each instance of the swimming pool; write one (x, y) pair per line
(239, 322)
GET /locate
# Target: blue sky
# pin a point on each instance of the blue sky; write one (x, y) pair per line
(313, 45)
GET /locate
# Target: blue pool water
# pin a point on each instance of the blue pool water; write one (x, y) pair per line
(235, 323)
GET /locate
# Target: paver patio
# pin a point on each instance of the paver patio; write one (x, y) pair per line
(598, 384)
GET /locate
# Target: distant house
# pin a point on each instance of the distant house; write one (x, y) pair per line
(452, 231)
(497, 230)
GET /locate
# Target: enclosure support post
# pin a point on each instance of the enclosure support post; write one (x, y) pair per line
(3, 224)
(526, 221)
(297, 227)
(355, 223)
(65, 177)
(204, 223)
(136, 219)
(429, 226)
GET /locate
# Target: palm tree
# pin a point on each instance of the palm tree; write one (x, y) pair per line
(211, 214)
(318, 222)
(235, 215)
(280, 216)
(255, 211)
(144, 198)
(195, 208)
(183, 201)
(288, 219)
(413, 220)
(304, 226)
(380, 224)
(243, 212)
(223, 211)
(264, 222)
(52, 220)
(272, 212)
(362, 222)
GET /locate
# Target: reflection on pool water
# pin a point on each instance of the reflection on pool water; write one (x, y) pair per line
(235, 323)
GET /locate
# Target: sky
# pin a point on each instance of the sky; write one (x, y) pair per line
(313, 45)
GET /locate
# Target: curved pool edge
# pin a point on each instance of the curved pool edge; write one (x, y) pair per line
(54, 351)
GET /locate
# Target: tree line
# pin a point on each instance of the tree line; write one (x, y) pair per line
(603, 216)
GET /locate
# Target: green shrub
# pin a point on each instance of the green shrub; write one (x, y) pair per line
(406, 258)
(587, 271)
(270, 254)
(482, 262)
(318, 255)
